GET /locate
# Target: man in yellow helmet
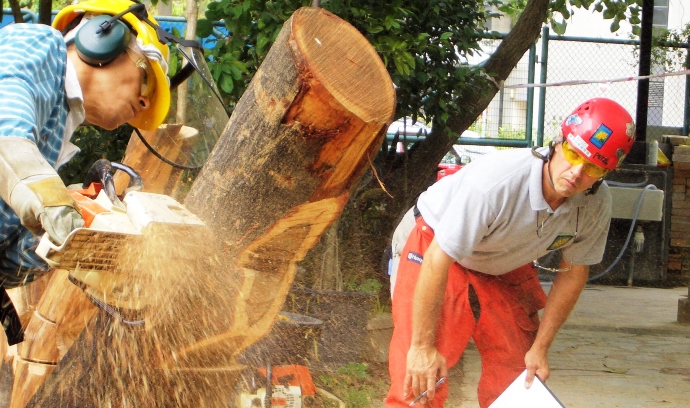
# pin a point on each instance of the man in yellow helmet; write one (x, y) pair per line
(101, 63)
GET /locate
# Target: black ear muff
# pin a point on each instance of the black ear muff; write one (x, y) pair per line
(101, 40)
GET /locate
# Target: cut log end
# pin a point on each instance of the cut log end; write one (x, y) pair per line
(344, 62)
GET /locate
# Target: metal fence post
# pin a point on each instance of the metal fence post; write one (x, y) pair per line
(542, 80)
(686, 111)
(530, 95)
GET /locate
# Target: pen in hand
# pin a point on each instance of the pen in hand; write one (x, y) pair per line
(422, 395)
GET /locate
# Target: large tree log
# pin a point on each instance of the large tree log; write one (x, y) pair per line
(311, 120)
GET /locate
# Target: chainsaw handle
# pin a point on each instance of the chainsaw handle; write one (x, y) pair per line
(46, 247)
(102, 172)
(136, 183)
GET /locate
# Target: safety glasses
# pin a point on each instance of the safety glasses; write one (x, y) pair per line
(148, 78)
(574, 158)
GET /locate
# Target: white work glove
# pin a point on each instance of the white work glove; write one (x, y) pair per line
(33, 189)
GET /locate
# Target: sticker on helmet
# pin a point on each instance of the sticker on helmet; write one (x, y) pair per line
(579, 144)
(630, 129)
(573, 119)
(600, 136)
(603, 159)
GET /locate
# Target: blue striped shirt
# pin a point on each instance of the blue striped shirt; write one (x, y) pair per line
(33, 105)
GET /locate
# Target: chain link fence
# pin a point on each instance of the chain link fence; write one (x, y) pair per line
(548, 84)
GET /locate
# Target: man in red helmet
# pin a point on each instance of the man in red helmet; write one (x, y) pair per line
(467, 266)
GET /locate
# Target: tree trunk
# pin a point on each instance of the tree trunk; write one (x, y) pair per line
(191, 14)
(406, 176)
(424, 159)
(45, 10)
(309, 123)
(165, 8)
(173, 142)
(16, 11)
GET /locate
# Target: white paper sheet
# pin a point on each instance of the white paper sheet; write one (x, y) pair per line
(517, 396)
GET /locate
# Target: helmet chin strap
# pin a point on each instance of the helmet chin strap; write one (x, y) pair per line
(548, 174)
(547, 160)
(595, 187)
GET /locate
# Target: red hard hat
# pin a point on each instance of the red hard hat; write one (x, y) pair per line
(601, 130)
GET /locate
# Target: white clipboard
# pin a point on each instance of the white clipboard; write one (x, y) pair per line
(517, 396)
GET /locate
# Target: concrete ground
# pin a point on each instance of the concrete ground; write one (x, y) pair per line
(621, 347)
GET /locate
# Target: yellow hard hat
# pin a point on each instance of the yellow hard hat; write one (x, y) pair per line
(151, 118)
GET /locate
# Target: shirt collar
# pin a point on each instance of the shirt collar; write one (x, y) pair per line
(75, 98)
(75, 115)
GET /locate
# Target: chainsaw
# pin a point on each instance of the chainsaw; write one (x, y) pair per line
(111, 225)
(289, 386)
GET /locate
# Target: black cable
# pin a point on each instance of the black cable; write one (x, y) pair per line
(191, 61)
(163, 159)
(630, 232)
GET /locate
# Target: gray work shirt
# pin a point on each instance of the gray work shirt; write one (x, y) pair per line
(492, 217)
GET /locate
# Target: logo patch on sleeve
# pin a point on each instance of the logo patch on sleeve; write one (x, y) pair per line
(560, 241)
(415, 257)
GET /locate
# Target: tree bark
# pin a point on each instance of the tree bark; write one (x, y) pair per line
(172, 142)
(45, 10)
(16, 11)
(305, 130)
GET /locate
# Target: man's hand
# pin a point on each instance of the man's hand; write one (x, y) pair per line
(46, 205)
(536, 363)
(32, 188)
(58, 222)
(425, 365)
(562, 298)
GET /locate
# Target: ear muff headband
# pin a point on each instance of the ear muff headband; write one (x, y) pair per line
(98, 46)
(105, 37)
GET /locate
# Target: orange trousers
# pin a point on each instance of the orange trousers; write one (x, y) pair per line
(503, 325)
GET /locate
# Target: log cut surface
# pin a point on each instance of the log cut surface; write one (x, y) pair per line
(300, 137)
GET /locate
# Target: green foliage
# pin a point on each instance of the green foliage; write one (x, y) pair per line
(504, 132)
(561, 10)
(372, 286)
(667, 51)
(352, 384)
(616, 10)
(369, 286)
(95, 143)
(510, 133)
